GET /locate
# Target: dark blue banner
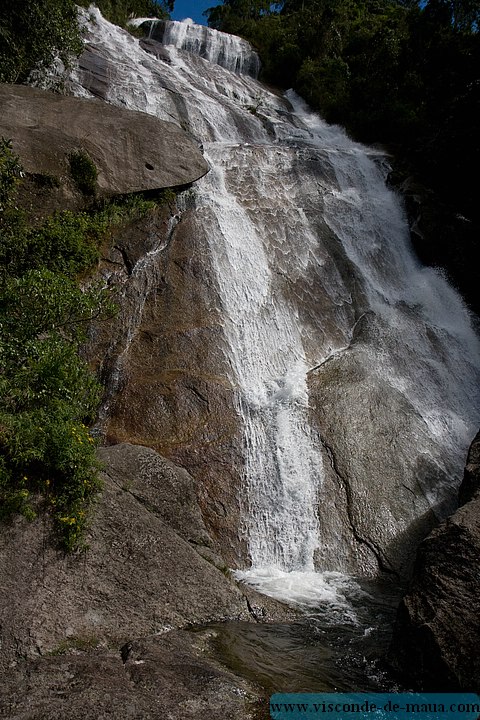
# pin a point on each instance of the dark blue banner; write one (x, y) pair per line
(375, 706)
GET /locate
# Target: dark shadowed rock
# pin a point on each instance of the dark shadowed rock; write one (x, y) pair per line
(133, 151)
(470, 486)
(155, 48)
(436, 638)
(95, 72)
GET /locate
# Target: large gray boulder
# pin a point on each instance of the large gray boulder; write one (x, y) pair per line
(436, 637)
(133, 151)
(148, 566)
(114, 632)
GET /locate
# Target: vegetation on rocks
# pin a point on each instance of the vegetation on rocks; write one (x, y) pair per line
(119, 11)
(34, 33)
(48, 396)
(84, 172)
(47, 393)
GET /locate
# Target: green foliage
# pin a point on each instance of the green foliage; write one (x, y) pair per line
(84, 172)
(235, 16)
(33, 33)
(119, 11)
(130, 207)
(325, 84)
(10, 172)
(48, 396)
(66, 243)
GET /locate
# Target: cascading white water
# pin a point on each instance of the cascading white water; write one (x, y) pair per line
(306, 241)
(229, 51)
(283, 467)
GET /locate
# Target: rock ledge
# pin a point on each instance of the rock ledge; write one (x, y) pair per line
(133, 151)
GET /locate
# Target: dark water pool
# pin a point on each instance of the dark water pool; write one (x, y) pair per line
(324, 651)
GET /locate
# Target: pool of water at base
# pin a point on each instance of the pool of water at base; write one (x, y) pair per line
(325, 650)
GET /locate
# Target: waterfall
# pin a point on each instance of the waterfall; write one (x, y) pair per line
(219, 48)
(228, 51)
(318, 288)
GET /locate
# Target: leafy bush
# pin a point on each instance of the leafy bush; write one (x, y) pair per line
(84, 172)
(33, 33)
(67, 242)
(10, 172)
(48, 396)
(119, 11)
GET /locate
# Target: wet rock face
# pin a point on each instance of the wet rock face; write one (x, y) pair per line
(133, 151)
(162, 360)
(376, 484)
(437, 632)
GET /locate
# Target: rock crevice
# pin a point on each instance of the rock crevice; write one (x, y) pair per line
(383, 562)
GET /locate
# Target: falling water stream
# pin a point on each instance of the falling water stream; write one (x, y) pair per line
(308, 246)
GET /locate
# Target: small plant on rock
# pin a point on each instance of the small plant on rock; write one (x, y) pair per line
(84, 172)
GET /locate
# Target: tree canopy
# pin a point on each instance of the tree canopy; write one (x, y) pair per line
(35, 32)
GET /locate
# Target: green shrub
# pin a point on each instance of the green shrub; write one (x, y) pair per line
(10, 172)
(119, 11)
(84, 172)
(124, 209)
(67, 243)
(48, 396)
(35, 32)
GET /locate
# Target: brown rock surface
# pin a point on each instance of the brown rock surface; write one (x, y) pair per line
(164, 364)
(436, 638)
(133, 151)
(69, 623)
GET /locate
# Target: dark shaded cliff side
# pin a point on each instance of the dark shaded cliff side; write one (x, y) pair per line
(436, 639)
